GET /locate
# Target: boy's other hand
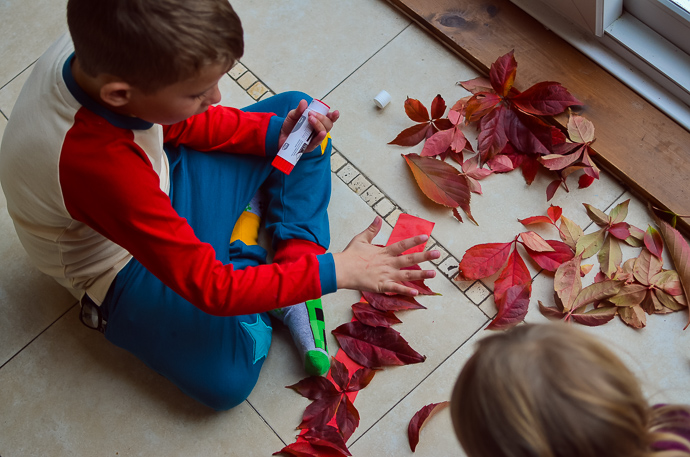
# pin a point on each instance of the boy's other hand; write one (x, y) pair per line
(320, 123)
(364, 266)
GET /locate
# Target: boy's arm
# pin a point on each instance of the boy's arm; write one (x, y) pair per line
(126, 205)
(221, 128)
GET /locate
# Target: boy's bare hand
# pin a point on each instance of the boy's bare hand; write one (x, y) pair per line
(320, 123)
(364, 266)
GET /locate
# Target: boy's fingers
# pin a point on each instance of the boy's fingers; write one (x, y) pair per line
(372, 230)
(398, 248)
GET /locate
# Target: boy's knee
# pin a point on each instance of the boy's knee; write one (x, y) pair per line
(223, 392)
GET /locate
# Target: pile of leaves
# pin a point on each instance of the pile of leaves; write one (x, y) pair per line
(370, 341)
(630, 289)
(514, 132)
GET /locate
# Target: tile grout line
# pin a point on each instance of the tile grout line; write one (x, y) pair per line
(419, 383)
(367, 60)
(17, 75)
(359, 183)
(40, 333)
(266, 422)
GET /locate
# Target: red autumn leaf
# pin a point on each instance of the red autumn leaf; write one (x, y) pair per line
(530, 168)
(327, 437)
(492, 137)
(438, 107)
(515, 273)
(314, 388)
(501, 164)
(412, 135)
(320, 412)
(679, 251)
(371, 316)
(340, 374)
(558, 162)
(484, 260)
(476, 85)
(438, 143)
(555, 213)
(585, 181)
(360, 379)
(302, 448)
(480, 105)
(502, 74)
(620, 230)
(347, 418)
(527, 133)
(550, 261)
(385, 302)
(374, 347)
(552, 188)
(654, 242)
(546, 98)
(535, 220)
(420, 419)
(535, 242)
(550, 311)
(595, 317)
(416, 111)
(419, 285)
(512, 308)
(441, 182)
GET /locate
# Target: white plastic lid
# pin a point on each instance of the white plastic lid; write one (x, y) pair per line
(382, 99)
(319, 107)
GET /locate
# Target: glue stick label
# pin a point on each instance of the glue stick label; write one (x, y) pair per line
(298, 140)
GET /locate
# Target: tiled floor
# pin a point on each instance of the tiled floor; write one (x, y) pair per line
(64, 391)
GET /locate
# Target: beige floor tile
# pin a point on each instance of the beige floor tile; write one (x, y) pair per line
(415, 65)
(9, 93)
(312, 46)
(232, 94)
(73, 393)
(29, 300)
(389, 435)
(659, 353)
(436, 332)
(29, 27)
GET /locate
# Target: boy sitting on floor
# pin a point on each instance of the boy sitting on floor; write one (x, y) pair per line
(109, 194)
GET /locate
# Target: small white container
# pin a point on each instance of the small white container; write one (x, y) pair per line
(299, 139)
(382, 99)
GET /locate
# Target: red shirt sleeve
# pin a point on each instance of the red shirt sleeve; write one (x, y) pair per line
(108, 183)
(221, 128)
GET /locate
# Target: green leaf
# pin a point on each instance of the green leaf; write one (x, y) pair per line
(610, 256)
(570, 232)
(629, 295)
(596, 292)
(598, 217)
(619, 213)
(589, 244)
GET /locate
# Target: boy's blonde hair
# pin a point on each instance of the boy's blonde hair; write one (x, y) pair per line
(153, 43)
(553, 391)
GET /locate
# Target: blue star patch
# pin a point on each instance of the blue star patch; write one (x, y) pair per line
(261, 334)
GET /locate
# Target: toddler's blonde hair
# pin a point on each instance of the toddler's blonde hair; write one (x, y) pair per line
(553, 391)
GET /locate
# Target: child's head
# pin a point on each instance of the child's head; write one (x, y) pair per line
(553, 391)
(152, 44)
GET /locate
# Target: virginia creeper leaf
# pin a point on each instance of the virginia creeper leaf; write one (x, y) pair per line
(360, 379)
(484, 260)
(552, 188)
(595, 317)
(340, 374)
(320, 412)
(420, 419)
(439, 181)
(667, 300)
(629, 295)
(580, 130)
(502, 74)
(480, 105)
(550, 311)
(416, 111)
(585, 181)
(412, 136)
(595, 292)
(546, 98)
(530, 168)
(620, 212)
(668, 281)
(475, 85)
(597, 216)
(374, 347)
(527, 134)
(554, 213)
(385, 302)
(535, 220)
(636, 238)
(347, 419)
(438, 107)
(621, 230)
(515, 273)
(610, 256)
(567, 282)
(646, 266)
(438, 143)
(368, 315)
(302, 448)
(634, 316)
(588, 245)
(512, 308)
(314, 388)
(654, 242)
(550, 261)
(501, 164)
(327, 437)
(679, 251)
(492, 137)
(535, 242)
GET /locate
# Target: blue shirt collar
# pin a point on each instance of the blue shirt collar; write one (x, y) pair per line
(118, 120)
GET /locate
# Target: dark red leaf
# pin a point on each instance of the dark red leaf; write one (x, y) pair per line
(480, 104)
(530, 167)
(550, 261)
(368, 315)
(374, 347)
(654, 242)
(412, 136)
(492, 137)
(551, 312)
(527, 133)
(347, 418)
(320, 412)
(315, 388)
(439, 181)
(327, 437)
(438, 107)
(360, 379)
(420, 419)
(584, 181)
(595, 317)
(385, 302)
(552, 188)
(339, 373)
(502, 74)
(484, 260)
(442, 124)
(546, 98)
(515, 273)
(301, 448)
(416, 111)
(512, 309)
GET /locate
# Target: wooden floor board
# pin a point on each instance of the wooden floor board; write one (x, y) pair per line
(636, 142)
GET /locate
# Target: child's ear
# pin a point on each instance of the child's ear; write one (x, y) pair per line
(116, 93)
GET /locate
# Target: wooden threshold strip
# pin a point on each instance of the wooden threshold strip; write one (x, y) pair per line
(635, 141)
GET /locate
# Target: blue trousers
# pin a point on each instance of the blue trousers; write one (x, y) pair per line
(217, 360)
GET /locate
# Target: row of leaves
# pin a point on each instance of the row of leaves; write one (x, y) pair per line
(629, 289)
(370, 341)
(513, 133)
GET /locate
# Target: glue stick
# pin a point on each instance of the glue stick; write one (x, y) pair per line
(299, 139)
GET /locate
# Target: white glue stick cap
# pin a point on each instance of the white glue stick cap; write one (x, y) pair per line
(382, 99)
(319, 107)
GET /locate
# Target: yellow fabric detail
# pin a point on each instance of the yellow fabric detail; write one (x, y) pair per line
(246, 229)
(324, 143)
